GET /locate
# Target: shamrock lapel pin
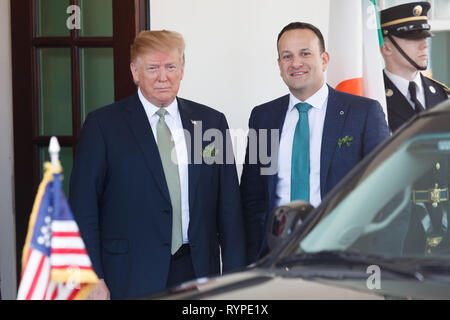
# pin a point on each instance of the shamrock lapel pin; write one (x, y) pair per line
(209, 151)
(346, 140)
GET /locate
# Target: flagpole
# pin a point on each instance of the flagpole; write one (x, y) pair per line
(53, 150)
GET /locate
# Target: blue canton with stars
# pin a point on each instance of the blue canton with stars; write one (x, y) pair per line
(51, 208)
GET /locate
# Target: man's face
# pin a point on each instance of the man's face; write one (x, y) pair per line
(158, 75)
(301, 64)
(416, 49)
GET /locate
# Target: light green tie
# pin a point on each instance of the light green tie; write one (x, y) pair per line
(165, 147)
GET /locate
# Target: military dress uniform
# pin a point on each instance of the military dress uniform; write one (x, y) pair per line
(428, 228)
(398, 107)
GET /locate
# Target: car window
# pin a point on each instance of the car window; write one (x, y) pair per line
(400, 209)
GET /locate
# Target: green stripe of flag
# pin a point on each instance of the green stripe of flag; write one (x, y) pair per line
(380, 34)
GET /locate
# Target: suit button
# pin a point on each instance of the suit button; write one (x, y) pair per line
(166, 211)
(166, 244)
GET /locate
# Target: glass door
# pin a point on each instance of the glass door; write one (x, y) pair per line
(69, 57)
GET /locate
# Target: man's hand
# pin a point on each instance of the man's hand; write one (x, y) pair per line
(100, 292)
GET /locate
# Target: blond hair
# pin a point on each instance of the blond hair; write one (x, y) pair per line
(157, 41)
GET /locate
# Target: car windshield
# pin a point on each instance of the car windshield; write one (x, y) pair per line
(398, 208)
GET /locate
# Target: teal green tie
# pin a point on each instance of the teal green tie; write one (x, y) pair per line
(300, 155)
(165, 147)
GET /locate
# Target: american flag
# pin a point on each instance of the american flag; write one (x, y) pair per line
(55, 263)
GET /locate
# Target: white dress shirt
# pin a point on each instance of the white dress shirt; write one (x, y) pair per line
(402, 85)
(316, 119)
(173, 121)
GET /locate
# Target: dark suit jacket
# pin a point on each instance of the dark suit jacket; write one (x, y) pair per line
(346, 115)
(400, 110)
(121, 202)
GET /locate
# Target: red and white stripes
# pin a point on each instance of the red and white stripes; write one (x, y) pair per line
(68, 255)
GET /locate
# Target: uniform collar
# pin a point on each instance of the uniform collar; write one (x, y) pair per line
(402, 84)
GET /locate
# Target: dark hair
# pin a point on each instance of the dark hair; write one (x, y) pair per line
(304, 25)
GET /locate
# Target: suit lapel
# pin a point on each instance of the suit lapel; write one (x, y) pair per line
(277, 117)
(431, 99)
(397, 102)
(332, 131)
(279, 114)
(140, 126)
(188, 115)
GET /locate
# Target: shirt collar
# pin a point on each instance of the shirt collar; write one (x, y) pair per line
(402, 84)
(317, 100)
(151, 109)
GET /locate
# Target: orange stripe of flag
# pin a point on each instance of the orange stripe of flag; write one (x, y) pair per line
(353, 86)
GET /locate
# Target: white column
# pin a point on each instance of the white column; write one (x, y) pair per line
(7, 226)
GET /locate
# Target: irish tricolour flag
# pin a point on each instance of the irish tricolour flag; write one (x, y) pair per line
(354, 41)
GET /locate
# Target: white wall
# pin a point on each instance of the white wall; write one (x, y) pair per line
(7, 229)
(231, 54)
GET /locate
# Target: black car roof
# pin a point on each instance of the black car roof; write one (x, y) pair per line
(444, 106)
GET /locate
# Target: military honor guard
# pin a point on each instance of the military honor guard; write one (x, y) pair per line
(405, 31)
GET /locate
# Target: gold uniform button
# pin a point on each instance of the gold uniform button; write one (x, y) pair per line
(417, 11)
(432, 89)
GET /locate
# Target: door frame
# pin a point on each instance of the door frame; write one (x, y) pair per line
(129, 17)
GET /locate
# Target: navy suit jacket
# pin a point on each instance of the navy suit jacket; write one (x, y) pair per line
(346, 115)
(121, 202)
